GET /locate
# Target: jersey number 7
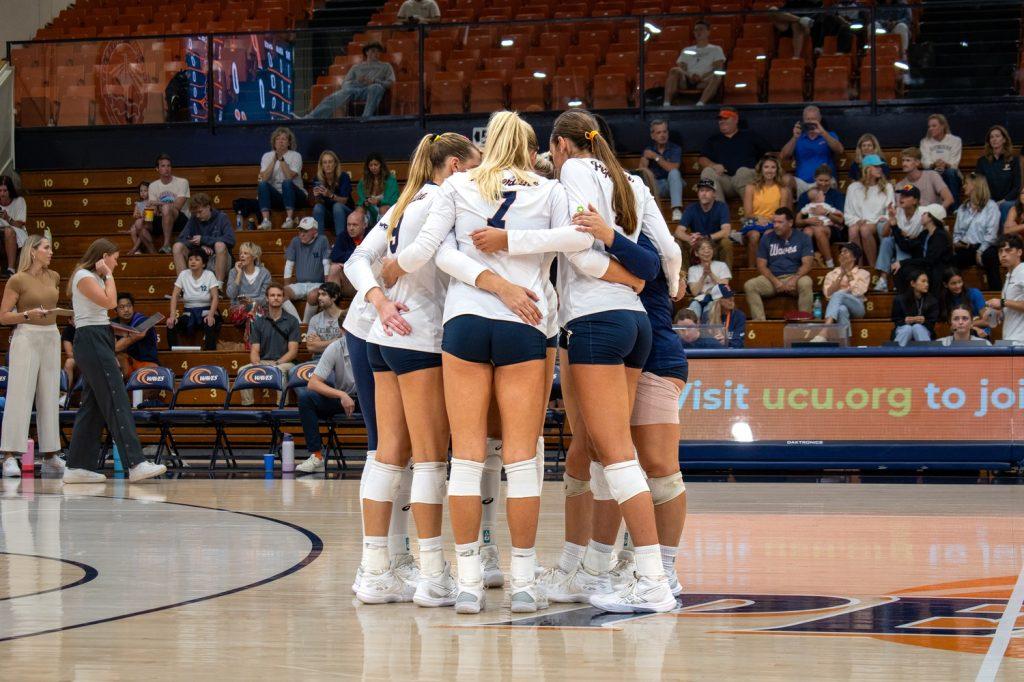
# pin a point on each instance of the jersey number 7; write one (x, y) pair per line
(498, 219)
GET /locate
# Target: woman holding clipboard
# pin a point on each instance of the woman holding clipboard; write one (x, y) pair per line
(29, 304)
(104, 398)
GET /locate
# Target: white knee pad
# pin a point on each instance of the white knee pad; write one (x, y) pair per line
(574, 486)
(599, 483)
(382, 482)
(626, 480)
(464, 478)
(522, 479)
(428, 483)
(667, 488)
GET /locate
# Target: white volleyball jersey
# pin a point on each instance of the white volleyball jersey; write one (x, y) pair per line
(588, 183)
(458, 208)
(422, 292)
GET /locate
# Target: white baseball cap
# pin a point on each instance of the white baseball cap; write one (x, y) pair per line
(308, 223)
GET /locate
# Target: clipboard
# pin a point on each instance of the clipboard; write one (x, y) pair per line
(144, 326)
(62, 312)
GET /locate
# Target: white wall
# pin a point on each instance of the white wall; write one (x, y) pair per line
(21, 18)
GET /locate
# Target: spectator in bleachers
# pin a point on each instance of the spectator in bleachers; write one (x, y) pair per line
(706, 219)
(866, 145)
(867, 203)
(695, 68)
(198, 289)
(307, 264)
(955, 293)
(765, 195)
(274, 339)
(790, 25)
(248, 281)
(325, 400)
(280, 179)
(932, 187)
(13, 216)
(660, 166)
(168, 197)
(915, 312)
(899, 236)
(784, 259)
(419, 12)
(845, 287)
(816, 221)
(931, 251)
(368, 80)
(1014, 223)
(724, 312)
(823, 181)
(1011, 303)
(976, 230)
(686, 324)
(893, 16)
(960, 318)
(940, 151)
(355, 228)
(139, 221)
(332, 193)
(729, 156)
(210, 230)
(706, 276)
(377, 190)
(325, 326)
(811, 146)
(1001, 168)
(134, 351)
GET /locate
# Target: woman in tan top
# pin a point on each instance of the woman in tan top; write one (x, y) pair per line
(845, 287)
(29, 299)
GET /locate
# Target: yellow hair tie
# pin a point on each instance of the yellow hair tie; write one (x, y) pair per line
(591, 135)
(436, 138)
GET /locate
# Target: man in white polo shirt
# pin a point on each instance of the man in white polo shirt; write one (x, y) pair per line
(1011, 303)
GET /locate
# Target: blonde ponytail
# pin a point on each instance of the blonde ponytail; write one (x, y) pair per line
(507, 149)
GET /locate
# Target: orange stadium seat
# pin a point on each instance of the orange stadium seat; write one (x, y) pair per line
(446, 95)
(610, 91)
(741, 85)
(568, 88)
(486, 95)
(831, 83)
(785, 84)
(528, 93)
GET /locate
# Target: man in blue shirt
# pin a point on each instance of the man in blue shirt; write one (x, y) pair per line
(706, 218)
(137, 350)
(811, 146)
(784, 257)
(660, 165)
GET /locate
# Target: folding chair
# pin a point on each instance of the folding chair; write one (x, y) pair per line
(209, 378)
(261, 380)
(152, 379)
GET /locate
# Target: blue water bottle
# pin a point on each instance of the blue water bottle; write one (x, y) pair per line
(817, 307)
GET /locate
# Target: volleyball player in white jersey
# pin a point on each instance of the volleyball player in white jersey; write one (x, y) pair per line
(404, 350)
(495, 342)
(608, 340)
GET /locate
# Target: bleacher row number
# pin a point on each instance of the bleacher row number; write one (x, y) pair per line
(234, 364)
(120, 222)
(216, 199)
(78, 222)
(40, 224)
(127, 201)
(864, 333)
(842, 162)
(216, 178)
(47, 203)
(278, 242)
(842, 185)
(170, 266)
(870, 305)
(48, 182)
(821, 279)
(124, 264)
(128, 180)
(85, 201)
(751, 335)
(85, 182)
(56, 245)
(152, 289)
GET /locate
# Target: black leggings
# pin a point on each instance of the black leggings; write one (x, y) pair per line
(965, 258)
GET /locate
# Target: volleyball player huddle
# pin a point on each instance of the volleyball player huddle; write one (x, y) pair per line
(462, 325)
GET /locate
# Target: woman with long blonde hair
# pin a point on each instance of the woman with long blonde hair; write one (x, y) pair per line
(867, 205)
(765, 195)
(866, 144)
(496, 343)
(404, 350)
(104, 402)
(332, 196)
(34, 372)
(977, 230)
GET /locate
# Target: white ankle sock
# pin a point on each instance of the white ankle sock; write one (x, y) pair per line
(597, 558)
(524, 561)
(375, 553)
(468, 558)
(648, 562)
(572, 557)
(431, 556)
(668, 558)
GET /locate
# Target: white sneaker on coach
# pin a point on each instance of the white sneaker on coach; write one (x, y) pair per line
(673, 583)
(622, 572)
(493, 577)
(404, 566)
(881, 285)
(54, 465)
(288, 224)
(677, 214)
(82, 476)
(641, 595)
(470, 598)
(265, 224)
(358, 579)
(578, 587)
(11, 468)
(312, 465)
(145, 470)
(383, 588)
(528, 598)
(439, 590)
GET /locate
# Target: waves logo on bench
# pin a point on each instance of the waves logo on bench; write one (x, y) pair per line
(149, 376)
(201, 376)
(258, 375)
(305, 371)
